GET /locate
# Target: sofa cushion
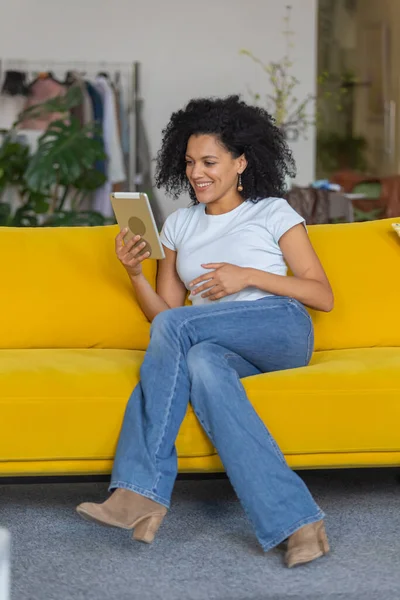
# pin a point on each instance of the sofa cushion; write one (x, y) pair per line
(68, 405)
(65, 288)
(344, 401)
(362, 261)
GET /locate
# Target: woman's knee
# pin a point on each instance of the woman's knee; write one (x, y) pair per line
(167, 322)
(200, 360)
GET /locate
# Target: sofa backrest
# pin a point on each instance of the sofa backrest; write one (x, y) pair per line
(65, 288)
(362, 261)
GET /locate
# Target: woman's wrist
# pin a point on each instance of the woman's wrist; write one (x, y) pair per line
(250, 277)
(137, 278)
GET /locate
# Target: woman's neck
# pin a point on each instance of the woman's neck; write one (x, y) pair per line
(223, 205)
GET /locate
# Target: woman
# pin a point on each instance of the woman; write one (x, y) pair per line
(229, 249)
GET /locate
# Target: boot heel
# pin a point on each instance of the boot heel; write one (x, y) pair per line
(147, 529)
(323, 540)
(306, 544)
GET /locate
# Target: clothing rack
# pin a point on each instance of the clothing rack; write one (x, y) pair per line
(126, 76)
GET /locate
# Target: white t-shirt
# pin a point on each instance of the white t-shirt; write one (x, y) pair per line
(247, 236)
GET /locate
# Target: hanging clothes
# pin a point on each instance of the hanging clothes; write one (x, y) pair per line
(124, 124)
(15, 83)
(30, 138)
(10, 109)
(84, 111)
(12, 98)
(118, 187)
(116, 172)
(98, 115)
(42, 89)
(112, 142)
(124, 128)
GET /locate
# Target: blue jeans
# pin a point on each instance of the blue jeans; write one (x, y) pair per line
(200, 354)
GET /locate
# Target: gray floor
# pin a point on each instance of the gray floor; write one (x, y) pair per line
(205, 548)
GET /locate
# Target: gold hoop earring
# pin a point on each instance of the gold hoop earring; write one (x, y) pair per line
(240, 187)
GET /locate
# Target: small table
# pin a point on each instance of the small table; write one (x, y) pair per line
(341, 206)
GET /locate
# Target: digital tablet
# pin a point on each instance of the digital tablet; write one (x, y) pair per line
(133, 210)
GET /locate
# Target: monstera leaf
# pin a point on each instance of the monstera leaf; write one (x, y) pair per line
(39, 203)
(90, 180)
(75, 218)
(14, 159)
(25, 217)
(5, 214)
(65, 152)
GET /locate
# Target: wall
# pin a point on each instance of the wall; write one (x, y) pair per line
(186, 48)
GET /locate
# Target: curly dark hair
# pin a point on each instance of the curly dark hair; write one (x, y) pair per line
(242, 129)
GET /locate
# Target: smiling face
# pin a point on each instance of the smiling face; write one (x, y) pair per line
(212, 171)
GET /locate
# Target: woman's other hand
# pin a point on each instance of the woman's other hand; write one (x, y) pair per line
(225, 279)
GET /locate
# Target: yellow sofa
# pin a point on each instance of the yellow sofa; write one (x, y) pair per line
(73, 338)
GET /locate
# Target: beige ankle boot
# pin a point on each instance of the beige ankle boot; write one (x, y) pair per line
(127, 510)
(307, 544)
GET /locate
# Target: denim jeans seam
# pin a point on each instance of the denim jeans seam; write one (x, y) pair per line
(198, 414)
(276, 448)
(158, 477)
(167, 419)
(169, 404)
(302, 310)
(230, 355)
(309, 344)
(139, 490)
(290, 530)
(243, 504)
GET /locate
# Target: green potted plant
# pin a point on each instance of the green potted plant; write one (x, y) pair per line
(63, 166)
